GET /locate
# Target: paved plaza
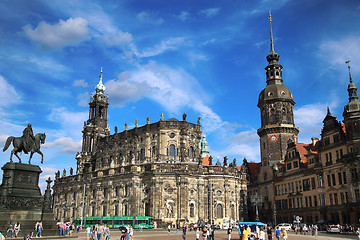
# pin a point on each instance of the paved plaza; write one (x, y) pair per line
(219, 235)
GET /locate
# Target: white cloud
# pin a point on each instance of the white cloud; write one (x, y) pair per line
(149, 17)
(42, 63)
(80, 83)
(69, 32)
(243, 144)
(207, 42)
(309, 118)
(183, 16)
(168, 44)
(336, 52)
(71, 122)
(119, 38)
(245, 137)
(310, 115)
(84, 99)
(210, 12)
(174, 89)
(194, 57)
(8, 94)
(66, 145)
(122, 90)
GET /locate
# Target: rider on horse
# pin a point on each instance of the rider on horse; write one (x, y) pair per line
(29, 138)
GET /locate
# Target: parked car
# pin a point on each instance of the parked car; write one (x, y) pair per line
(333, 229)
(286, 226)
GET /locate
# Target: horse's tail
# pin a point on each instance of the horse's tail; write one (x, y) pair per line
(8, 142)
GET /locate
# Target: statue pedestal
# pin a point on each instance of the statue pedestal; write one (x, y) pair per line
(21, 200)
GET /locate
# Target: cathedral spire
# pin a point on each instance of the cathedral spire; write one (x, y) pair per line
(100, 88)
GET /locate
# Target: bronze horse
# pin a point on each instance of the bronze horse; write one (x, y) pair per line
(18, 143)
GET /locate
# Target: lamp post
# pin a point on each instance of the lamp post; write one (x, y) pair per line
(275, 212)
(256, 200)
(83, 209)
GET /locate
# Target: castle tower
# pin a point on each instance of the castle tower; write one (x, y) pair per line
(96, 126)
(276, 108)
(351, 116)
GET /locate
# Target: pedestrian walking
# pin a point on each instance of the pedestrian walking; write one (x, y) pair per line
(107, 232)
(97, 232)
(358, 233)
(123, 234)
(131, 232)
(204, 232)
(284, 234)
(262, 234)
(245, 234)
(197, 234)
(64, 227)
(229, 230)
(88, 232)
(17, 229)
(169, 229)
(277, 233)
(212, 233)
(184, 232)
(269, 233)
(38, 228)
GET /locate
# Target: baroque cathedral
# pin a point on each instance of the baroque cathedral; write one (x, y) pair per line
(161, 169)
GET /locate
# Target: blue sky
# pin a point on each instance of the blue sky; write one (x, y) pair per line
(205, 58)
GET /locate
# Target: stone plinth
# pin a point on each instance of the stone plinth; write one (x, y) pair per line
(20, 187)
(21, 199)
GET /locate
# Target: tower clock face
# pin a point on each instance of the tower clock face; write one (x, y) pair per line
(273, 138)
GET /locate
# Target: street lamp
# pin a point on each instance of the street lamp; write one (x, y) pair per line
(256, 200)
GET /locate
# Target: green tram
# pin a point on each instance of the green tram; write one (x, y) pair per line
(117, 221)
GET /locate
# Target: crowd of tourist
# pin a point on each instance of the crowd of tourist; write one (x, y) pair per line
(306, 229)
(98, 232)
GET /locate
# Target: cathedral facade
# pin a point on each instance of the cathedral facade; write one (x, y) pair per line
(161, 170)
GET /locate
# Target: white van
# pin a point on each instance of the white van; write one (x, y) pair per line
(286, 226)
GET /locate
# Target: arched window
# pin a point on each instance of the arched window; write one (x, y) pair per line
(116, 209)
(172, 150)
(104, 210)
(147, 209)
(192, 210)
(219, 211)
(153, 151)
(232, 212)
(93, 210)
(142, 154)
(126, 209)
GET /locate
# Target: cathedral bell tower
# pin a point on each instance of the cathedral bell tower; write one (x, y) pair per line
(276, 107)
(95, 127)
(351, 116)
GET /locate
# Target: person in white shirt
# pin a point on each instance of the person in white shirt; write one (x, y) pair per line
(262, 234)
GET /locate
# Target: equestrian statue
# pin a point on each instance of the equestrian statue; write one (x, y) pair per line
(27, 143)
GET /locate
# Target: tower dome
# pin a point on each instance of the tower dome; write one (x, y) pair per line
(100, 88)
